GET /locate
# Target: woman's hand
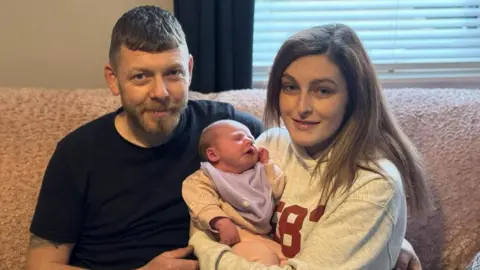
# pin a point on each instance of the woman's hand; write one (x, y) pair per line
(408, 260)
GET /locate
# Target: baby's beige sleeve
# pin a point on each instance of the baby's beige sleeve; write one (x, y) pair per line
(276, 178)
(202, 200)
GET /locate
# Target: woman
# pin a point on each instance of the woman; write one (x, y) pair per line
(348, 166)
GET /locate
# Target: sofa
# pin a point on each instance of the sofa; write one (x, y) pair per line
(443, 123)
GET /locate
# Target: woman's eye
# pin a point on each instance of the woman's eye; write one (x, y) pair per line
(323, 91)
(288, 87)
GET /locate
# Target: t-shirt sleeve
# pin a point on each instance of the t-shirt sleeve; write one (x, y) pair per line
(253, 123)
(59, 211)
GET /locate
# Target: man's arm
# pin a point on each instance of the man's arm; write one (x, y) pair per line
(57, 220)
(48, 255)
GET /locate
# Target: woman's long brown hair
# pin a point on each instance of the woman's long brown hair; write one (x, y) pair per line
(368, 126)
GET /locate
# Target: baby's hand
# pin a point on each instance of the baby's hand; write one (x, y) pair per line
(264, 156)
(227, 230)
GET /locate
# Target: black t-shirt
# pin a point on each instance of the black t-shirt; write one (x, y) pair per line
(120, 203)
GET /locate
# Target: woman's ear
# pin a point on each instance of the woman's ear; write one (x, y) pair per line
(212, 154)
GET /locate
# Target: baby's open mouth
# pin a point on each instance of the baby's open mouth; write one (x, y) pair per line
(250, 151)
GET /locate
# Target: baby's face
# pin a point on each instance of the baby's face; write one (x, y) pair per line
(234, 146)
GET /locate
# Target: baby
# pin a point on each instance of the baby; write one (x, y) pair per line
(234, 192)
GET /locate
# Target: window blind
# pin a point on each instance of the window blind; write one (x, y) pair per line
(404, 38)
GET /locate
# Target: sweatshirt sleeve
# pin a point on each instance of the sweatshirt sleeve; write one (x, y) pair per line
(202, 200)
(353, 236)
(276, 178)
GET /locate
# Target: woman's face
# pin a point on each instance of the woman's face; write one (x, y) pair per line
(313, 100)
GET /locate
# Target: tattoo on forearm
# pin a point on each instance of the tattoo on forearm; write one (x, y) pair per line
(36, 242)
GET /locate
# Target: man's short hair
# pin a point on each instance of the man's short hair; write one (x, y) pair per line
(146, 28)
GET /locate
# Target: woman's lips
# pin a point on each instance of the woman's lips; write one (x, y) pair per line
(304, 125)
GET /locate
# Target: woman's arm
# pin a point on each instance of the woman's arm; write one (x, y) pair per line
(359, 233)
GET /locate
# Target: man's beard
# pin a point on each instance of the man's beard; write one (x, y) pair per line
(141, 117)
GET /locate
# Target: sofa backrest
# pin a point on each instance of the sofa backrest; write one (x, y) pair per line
(443, 123)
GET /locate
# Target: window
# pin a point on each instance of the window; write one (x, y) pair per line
(406, 39)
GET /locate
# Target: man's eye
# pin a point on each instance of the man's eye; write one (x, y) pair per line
(175, 72)
(139, 77)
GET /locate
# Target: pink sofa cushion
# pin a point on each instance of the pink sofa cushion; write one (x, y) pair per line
(443, 123)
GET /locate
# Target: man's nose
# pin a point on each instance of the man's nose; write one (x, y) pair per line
(159, 89)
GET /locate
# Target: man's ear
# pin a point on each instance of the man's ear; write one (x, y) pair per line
(190, 68)
(212, 155)
(111, 79)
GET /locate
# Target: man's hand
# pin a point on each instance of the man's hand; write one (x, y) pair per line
(173, 260)
(227, 230)
(408, 260)
(264, 155)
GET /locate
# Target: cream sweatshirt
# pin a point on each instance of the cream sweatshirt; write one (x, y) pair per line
(362, 228)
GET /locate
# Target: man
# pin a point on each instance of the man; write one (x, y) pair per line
(111, 194)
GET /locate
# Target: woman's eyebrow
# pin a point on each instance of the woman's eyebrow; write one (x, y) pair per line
(314, 81)
(324, 80)
(287, 76)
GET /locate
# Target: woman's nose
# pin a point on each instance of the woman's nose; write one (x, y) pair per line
(304, 105)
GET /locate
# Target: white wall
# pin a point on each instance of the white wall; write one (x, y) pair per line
(59, 43)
